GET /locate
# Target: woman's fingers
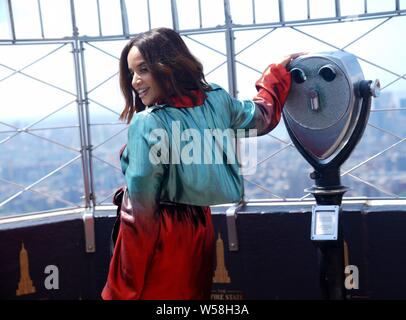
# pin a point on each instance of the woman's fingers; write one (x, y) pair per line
(289, 58)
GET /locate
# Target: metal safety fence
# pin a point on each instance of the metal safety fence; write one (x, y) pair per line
(61, 69)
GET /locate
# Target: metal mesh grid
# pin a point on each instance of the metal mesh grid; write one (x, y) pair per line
(86, 145)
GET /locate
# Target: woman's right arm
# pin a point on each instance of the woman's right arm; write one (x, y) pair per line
(273, 88)
(263, 112)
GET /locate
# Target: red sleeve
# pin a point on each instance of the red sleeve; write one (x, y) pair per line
(273, 88)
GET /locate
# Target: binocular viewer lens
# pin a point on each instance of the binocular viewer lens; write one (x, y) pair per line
(327, 72)
(298, 75)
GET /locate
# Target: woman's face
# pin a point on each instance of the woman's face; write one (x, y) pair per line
(142, 81)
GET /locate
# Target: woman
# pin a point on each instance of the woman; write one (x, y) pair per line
(165, 245)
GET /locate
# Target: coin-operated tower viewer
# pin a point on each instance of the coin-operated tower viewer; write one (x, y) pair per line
(325, 115)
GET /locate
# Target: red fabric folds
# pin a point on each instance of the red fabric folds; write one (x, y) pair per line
(175, 264)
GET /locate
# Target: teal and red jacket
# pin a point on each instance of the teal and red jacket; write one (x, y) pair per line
(168, 157)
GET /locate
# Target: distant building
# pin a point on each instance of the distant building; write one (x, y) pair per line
(385, 101)
(402, 103)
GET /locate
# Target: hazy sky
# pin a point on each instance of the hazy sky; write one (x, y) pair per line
(22, 97)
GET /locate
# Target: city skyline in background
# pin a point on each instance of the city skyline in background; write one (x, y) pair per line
(47, 90)
(380, 47)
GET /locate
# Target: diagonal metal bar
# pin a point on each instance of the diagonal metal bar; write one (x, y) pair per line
(103, 106)
(305, 196)
(396, 80)
(107, 163)
(279, 139)
(369, 31)
(39, 181)
(366, 33)
(7, 125)
(53, 141)
(28, 131)
(373, 157)
(214, 69)
(377, 26)
(41, 193)
(385, 131)
(39, 80)
(274, 153)
(374, 186)
(221, 53)
(242, 50)
(363, 162)
(40, 129)
(255, 41)
(205, 45)
(101, 50)
(34, 123)
(105, 141)
(55, 128)
(399, 77)
(263, 188)
(49, 114)
(103, 82)
(33, 62)
(292, 146)
(108, 197)
(249, 67)
(367, 183)
(10, 131)
(358, 57)
(380, 67)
